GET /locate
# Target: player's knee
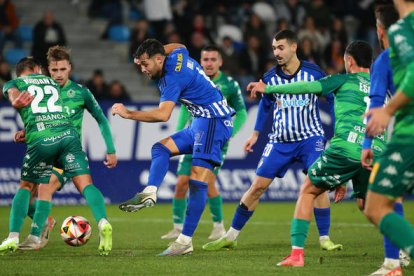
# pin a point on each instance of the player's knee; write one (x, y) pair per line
(257, 189)
(182, 187)
(27, 185)
(159, 150)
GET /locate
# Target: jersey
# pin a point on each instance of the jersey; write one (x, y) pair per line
(76, 98)
(382, 86)
(351, 98)
(231, 91)
(44, 117)
(185, 81)
(401, 38)
(295, 117)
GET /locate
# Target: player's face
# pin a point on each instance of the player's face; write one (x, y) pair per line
(380, 34)
(211, 62)
(283, 51)
(60, 71)
(152, 67)
(347, 61)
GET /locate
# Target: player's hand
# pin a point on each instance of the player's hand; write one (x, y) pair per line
(23, 100)
(367, 157)
(378, 121)
(256, 87)
(120, 109)
(20, 136)
(111, 160)
(248, 146)
(340, 193)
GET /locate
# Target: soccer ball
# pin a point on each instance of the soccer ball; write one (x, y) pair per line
(75, 230)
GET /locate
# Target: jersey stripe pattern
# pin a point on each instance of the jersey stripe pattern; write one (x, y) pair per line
(295, 117)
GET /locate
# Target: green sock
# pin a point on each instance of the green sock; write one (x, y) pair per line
(216, 208)
(95, 201)
(18, 212)
(43, 208)
(179, 207)
(298, 232)
(399, 231)
(32, 209)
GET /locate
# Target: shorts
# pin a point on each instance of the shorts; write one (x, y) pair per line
(184, 165)
(205, 138)
(277, 158)
(393, 174)
(64, 149)
(332, 169)
(61, 176)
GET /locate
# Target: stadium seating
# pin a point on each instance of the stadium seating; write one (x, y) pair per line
(26, 33)
(13, 55)
(119, 33)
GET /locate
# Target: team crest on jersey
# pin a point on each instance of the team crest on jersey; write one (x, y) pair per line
(71, 93)
(70, 157)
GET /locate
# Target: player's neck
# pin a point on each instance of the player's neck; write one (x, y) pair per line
(215, 76)
(359, 70)
(292, 66)
(406, 9)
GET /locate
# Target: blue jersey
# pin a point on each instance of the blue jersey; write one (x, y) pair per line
(295, 117)
(382, 85)
(185, 81)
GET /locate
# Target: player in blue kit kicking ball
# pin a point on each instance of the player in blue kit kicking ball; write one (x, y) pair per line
(181, 78)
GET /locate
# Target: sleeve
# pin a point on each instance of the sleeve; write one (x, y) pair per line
(177, 75)
(265, 109)
(183, 118)
(93, 107)
(323, 86)
(236, 101)
(379, 82)
(7, 86)
(407, 85)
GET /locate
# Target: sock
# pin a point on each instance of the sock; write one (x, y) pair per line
(18, 212)
(159, 164)
(95, 201)
(216, 208)
(391, 251)
(298, 232)
(323, 220)
(399, 231)
(43, 208)
(241, 216)
(196, 204)
(232, 234)
(179, 207)
(32, 209)
(183, 239)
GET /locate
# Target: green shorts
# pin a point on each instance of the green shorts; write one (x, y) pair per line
(332, 169)
(393, 174)
(184, 165)
(64, 149)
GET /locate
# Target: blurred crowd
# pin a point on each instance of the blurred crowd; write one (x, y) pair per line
(242, 29)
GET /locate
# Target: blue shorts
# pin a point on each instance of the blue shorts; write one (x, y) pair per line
(205, 138)
(278, 157)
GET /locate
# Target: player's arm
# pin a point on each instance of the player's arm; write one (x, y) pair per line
(236, 101)
(183, 118)
(168, 48)
(160, 114)
(19, 99)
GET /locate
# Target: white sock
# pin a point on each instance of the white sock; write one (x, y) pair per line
(14, 235)
(178, 226)
(232, 234)
(101, 222)
(218, 224)
(150, 189)
(183, 239)
(392, 262)
(323, 238)
(34, 238)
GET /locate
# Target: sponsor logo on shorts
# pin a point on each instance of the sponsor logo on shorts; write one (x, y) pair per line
(197, 138)
(396, 157)
(70, 158)
(228, 123)
(391, 170)
(385, 183)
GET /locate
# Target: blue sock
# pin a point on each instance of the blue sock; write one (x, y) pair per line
(195, 207)
(159, 164)
(323, 220)
(391, 251)
(241, 216)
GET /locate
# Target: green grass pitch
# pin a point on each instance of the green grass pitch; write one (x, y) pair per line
(263, 242)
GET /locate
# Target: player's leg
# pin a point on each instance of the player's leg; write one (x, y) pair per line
(310, 150)
(19, 208)
(179, 201)
(179, 143)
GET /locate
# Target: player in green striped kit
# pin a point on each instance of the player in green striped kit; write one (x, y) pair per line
(393, 175)
(211, 62)
(341, 161)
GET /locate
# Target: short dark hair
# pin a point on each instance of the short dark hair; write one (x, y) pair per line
(211, 48)
(386, 15)
(289, 35)
(151, 47)
(26, 63)
(361, 51)
(58, 53)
